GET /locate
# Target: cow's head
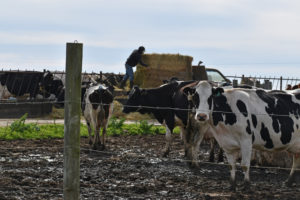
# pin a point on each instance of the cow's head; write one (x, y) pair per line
(51, 84)
(203, 94)
(134, 100)
(47, 79)
(3, 79)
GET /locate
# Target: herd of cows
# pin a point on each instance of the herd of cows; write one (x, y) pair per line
(239, 119)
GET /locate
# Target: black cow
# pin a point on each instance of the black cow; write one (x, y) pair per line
(20, 83)
(60, 97)
(161, 102)
(51, 84)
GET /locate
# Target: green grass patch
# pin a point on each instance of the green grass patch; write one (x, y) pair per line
(21, 130)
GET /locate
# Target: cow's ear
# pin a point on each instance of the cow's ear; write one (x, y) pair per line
(217, 91)
(189, 91)
(136, 88)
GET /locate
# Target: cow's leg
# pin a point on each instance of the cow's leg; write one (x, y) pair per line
(183, 137)
(97, 141)
(231, 157)
(295, 171)
(103, 137)
(212, 149)
(193, 148)
(246, 151)
(196, 147)
(90, 132)
(220, 155)
(168, 141)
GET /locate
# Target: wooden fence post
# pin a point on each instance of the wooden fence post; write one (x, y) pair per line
(72, 121)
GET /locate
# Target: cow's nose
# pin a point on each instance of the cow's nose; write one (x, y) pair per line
(201, 117)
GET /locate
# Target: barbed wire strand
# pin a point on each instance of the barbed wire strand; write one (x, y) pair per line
(164, 108)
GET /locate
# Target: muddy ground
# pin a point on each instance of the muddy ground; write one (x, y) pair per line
(130, 168)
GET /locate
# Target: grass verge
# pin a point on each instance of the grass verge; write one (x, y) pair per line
(21, 130)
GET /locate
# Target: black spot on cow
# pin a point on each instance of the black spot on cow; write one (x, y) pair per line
(253, 138)
(196, 99)
(248, 128)
(279, 107)
(297, 126)
(242, 107)
(222, 111)
(209, 101)
(265, 135)
(254, 120)
(101, 97)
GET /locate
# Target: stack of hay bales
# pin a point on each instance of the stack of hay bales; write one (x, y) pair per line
(162, 67)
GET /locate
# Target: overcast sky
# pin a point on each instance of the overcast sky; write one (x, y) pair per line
(251, 37)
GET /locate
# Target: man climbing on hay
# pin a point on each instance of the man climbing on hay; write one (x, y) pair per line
(134, 58)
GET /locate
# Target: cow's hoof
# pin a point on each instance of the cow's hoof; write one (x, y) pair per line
(232, 186)
(221, 159)
(102, 147)
(246, 187)
(193, 165)
(94, 147)
(185, 154)
(211, 159)
(166, 153)
(288, 183)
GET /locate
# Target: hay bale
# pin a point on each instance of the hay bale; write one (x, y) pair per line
(162, 67)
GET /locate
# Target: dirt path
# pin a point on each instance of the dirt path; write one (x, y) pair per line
(130, 168)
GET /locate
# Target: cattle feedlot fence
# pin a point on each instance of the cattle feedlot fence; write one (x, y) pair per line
(266, 82)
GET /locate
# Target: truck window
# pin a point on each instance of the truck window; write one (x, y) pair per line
(215, 76)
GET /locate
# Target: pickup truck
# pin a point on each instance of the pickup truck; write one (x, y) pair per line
(200, 72)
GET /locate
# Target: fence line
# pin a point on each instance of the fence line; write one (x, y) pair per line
(276, 83)
(157, 108)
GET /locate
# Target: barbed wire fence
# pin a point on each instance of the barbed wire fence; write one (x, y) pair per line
(6, 102)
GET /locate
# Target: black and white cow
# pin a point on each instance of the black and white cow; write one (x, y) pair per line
(51, 85)
(161, 102)
(20, 83)
(97, 107)
(32, 83)
(242, 119)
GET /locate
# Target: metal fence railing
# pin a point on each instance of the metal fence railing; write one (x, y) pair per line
(271, 83)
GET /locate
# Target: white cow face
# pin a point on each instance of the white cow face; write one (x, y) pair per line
(204, 91)
(203, 94)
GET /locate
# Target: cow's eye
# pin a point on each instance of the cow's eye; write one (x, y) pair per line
(196, 99)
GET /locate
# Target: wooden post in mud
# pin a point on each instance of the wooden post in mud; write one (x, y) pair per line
(72, 121)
